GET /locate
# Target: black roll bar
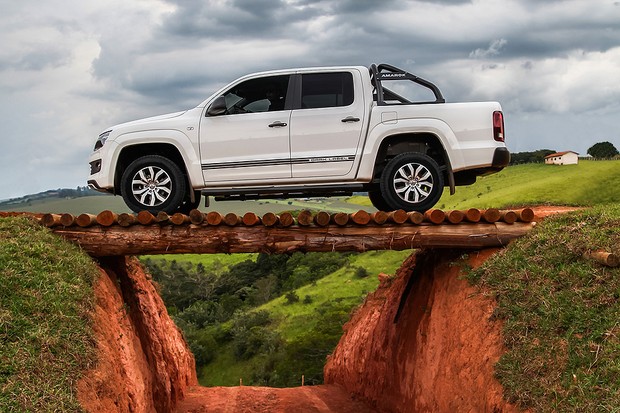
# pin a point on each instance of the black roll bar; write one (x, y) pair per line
(385, 72)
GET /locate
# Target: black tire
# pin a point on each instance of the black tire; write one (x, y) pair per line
(188, 205)
(411, 181)
(377, 200)
(153, 183)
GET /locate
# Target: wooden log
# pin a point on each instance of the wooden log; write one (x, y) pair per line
(360, 217)
(472, 215)
(304, 218)
(269, 219)
(416, 217)
(146, 218)
(398, 217)
(232, 219)
(162, 217)
(180, 219)
(526, 215)
(67, 220)
(603, 257)
(196, 217)
(107, 218)
(125, 219)
(379, 217)
(509, 217)
(491, 215)
(322, 219)
(86, 220)
(250, 218)
(286, 219)
(436, 216)
(204, 239)
(50, 220)
(214, 218)
(455, 216)
(340, 218)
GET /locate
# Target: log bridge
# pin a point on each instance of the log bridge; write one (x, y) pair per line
(111, 234)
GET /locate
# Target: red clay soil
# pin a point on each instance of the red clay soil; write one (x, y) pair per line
(242, 399)
(541, 212)
(144, 364)
(433, 354)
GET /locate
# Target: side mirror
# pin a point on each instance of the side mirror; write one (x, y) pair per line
(218, 107)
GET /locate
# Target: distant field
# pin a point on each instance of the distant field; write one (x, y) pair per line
(586, 184)
(96, 204)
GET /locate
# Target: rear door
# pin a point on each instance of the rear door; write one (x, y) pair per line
(326, 124)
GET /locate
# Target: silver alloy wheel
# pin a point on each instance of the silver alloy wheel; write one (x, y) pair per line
(151, 186)
(413, 183)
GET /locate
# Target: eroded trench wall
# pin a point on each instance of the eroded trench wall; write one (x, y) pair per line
(144, 364)
(435, 354)
(431, 351)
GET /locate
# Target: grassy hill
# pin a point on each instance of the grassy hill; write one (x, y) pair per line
(560, 311)
(586, 184)
(561, 314)
(45, 336)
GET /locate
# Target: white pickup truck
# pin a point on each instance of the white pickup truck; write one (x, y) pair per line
(305, 133)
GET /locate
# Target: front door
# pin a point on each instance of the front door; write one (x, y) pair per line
(250, 142)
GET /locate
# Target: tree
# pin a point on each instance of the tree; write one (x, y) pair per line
(603, 150)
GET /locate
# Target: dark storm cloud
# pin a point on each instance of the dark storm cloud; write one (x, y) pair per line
(236, 18)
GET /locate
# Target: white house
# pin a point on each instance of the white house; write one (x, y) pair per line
(562, 158)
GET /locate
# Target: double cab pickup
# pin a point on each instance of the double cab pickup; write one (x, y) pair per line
(328, 131)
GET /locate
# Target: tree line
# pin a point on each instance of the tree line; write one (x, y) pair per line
(600, 150)
(215, 308)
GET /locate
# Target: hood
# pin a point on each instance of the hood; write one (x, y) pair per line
(153, 120)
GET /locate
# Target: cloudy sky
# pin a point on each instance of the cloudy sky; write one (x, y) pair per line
(69, 69)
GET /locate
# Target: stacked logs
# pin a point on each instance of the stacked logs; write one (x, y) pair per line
(304, 218)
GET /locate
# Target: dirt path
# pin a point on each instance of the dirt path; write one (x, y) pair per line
(247, 399)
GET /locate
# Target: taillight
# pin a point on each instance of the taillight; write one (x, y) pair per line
(498, 126)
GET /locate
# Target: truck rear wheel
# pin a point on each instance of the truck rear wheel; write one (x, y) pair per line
(153, 183)
(411, 181)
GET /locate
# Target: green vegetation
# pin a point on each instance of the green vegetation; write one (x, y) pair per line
(268, 319)
(603, 150)
(45, 337)
(561, 314)
(586, 184)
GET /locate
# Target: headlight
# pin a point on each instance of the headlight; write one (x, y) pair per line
(102, 138)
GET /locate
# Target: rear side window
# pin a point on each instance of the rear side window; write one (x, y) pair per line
(326, 90)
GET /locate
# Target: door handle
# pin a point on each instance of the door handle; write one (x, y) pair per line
(277, 124)
(350, 119)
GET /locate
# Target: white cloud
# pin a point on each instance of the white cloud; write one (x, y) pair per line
(67, 73)
(493, 50)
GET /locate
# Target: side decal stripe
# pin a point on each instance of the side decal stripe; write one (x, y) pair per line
(273, 162)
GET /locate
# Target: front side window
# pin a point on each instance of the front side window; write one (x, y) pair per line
(326, 90)
(265, 94)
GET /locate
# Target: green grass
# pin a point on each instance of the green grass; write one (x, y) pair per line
(292, 320)
(561, 314)
(586, 184)
(341, 286)
(45, 333)
(213, 263)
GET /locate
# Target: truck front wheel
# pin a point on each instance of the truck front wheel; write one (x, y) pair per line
(411, 181)
(153, 183)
